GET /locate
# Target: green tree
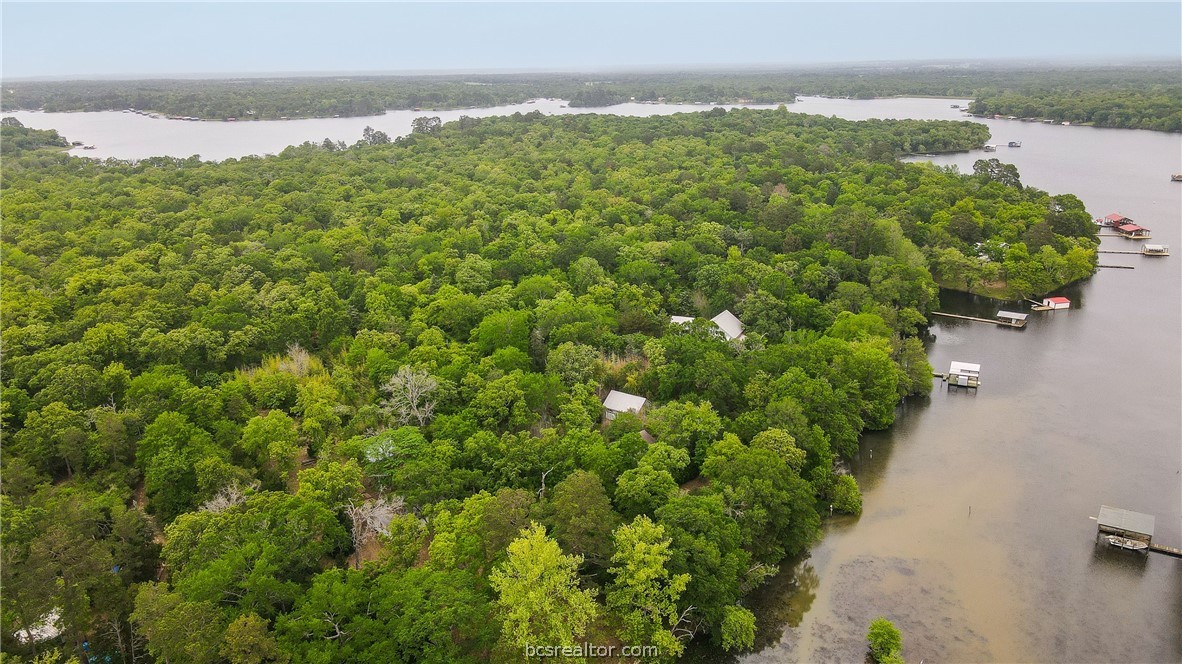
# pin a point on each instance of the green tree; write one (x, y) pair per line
(644, 595)
(643, 489)
(738, 628)
(272, 440)
(846, 496)
(538, 594)
(581, 518)
(248, 640)
(176, 629)
(885, 640)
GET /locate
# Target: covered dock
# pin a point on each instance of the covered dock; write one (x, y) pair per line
(1125, 523)
(1012, 318)
(964, 374)
(1133, 231)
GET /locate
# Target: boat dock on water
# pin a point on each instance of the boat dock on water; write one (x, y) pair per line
(1133, 531)
(1145, 250)
(1004, 318)
(962, 374)
(1050, 304)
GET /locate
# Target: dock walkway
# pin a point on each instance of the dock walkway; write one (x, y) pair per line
(980, 320)
(1168, 550)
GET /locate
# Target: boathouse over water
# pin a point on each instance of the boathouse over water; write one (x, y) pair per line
(1012, 318)
(1115, 219)
(1056, 302)
(1133, 231)
(964, 374)
(1126, 523)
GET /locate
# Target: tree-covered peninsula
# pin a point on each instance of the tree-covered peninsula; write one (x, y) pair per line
(1138, 96)
(345, 403)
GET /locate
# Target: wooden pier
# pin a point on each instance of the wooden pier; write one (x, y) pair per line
(1145, 250)
(1002, 323)
(1118, 267)
(1168, 550)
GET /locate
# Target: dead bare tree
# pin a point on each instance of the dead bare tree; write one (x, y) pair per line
(686, 626)
(372, 518)
(227, 497)
(410, 398)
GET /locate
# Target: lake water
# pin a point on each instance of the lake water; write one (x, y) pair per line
(132, 136)
(975, 538)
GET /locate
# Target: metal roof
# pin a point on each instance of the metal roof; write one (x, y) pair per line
(1057, 300)
(964, 368)
(623, 402)
(1117, 217)
(1134, 522)
(1011, 314)
(1129, 228)
(680, 320)
(730, 325)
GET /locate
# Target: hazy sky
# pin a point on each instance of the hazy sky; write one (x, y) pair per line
(153, 38)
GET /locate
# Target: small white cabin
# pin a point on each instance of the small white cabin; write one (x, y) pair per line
(964, 374)
(622, 402)
(731, 326)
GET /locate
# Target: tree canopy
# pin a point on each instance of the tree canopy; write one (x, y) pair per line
(345, 404)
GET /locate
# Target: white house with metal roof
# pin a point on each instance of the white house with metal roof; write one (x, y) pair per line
(731, 326)
(621, 402)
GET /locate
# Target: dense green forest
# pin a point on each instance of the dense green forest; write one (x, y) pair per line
(1158, 107)
(1137, 96)
(344, 403)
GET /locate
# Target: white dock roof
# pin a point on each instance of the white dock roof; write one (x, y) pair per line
(1136, 522)
(964, 369)
(622, 402)
(1013, 315)
(731, 326)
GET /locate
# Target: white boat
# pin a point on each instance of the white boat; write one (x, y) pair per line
(1126, 543)
(989, 148)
